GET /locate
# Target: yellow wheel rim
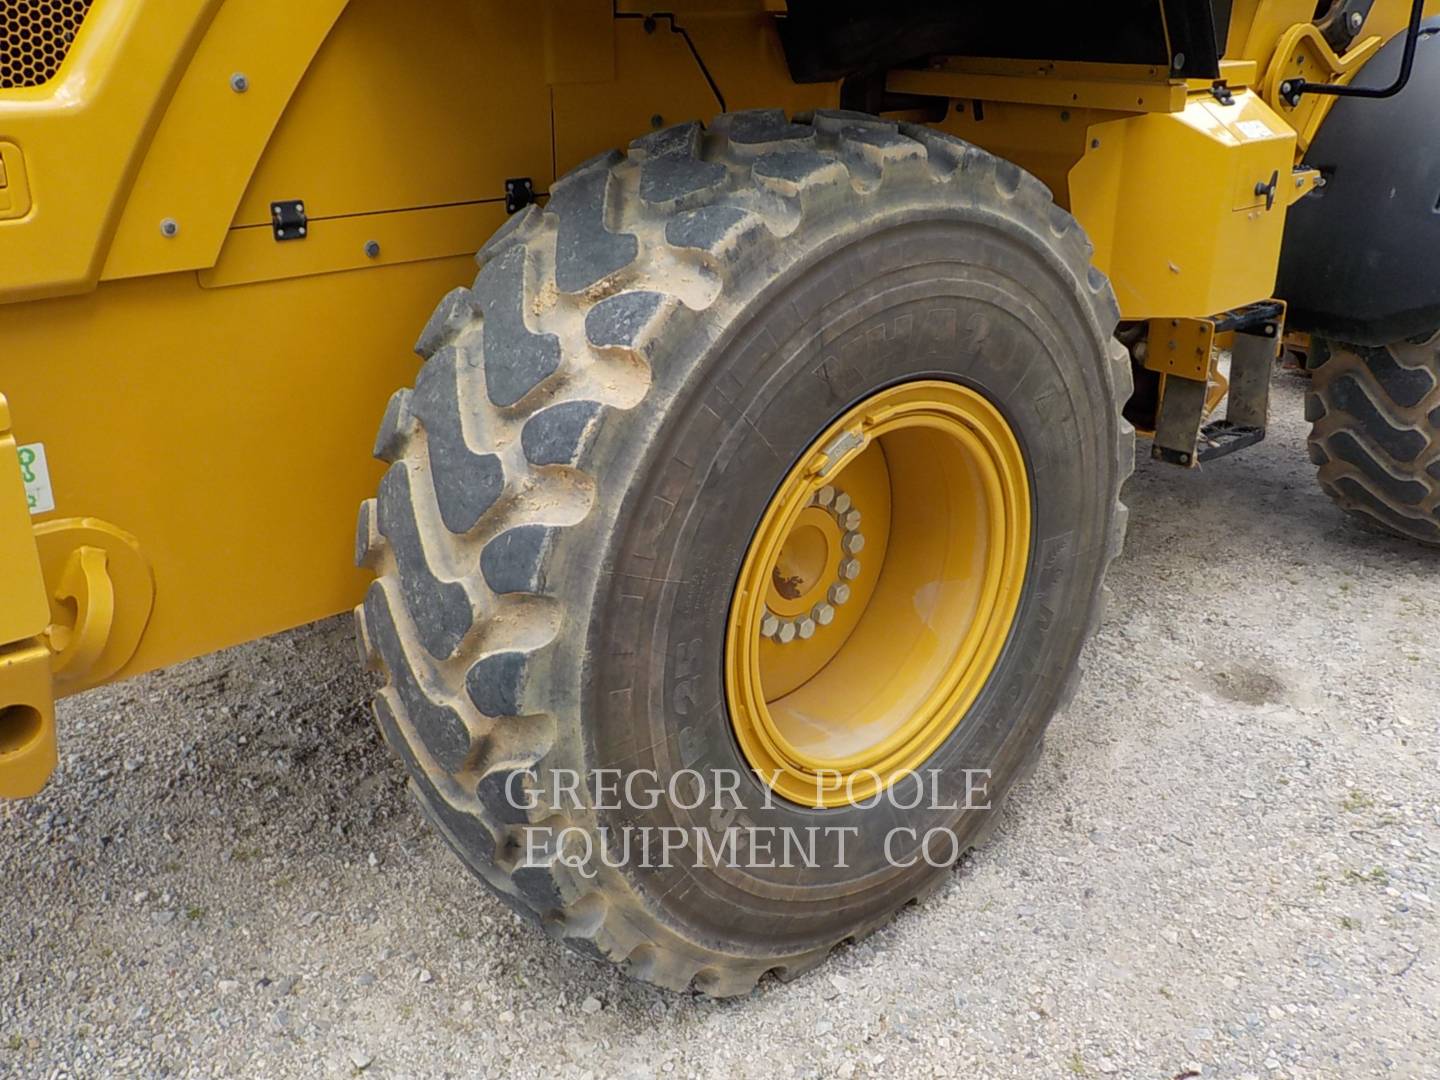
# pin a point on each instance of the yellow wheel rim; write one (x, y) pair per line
(877, 593)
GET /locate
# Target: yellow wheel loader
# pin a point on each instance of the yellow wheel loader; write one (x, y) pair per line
(737, 532)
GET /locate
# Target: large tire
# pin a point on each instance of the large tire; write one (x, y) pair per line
(1375, 435)
(596, 429)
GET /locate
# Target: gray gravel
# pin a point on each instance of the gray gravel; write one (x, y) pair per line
(1226, 864)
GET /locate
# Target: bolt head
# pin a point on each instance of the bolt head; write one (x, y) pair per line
(786, 633)
(806, 628)
(372, 248)
(842, 504)
(239, 83)
(169, 227)
(850, 569)
(823, 614)
(825, 496)
(839, 593)
(769, 625)
(1179, 61)
(853, 542)
(1355, 20)
(850, 520)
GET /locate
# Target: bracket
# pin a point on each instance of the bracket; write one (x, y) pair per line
(519, 193)
(1303, 55)
(1182, 435)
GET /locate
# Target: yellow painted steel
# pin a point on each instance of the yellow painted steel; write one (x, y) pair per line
(227, 429)
(343, 243)
(23, 608)
(1117, 87)
(83, 135)
(1171, 202)
(236, 85)
(14, 183)
(932, 477)
(27, 719)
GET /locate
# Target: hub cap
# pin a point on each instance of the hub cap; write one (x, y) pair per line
(877, 592)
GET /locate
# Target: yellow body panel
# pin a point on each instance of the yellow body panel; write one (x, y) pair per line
(229, 430)
(1083, 86)
(24, 610)
(1147, 181)
(84, 134)
(196, 181)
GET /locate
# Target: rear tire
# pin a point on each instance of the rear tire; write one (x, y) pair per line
(1375, 435)
(593, 437)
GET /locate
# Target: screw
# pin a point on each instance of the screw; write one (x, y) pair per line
(769, 625)
(839, 593)
(372, 248)
(1179, 61)
(1355, 20)
(853, 542)
(850, 569)
(169, 227)
(823, 614)
(239, 83)
(807, 628)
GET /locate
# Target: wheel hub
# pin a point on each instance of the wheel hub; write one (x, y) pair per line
(877, 592)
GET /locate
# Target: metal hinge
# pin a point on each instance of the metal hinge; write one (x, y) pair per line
(519, 193)
(288, 219)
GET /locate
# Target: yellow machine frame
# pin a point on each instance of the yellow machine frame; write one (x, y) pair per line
(204, 396)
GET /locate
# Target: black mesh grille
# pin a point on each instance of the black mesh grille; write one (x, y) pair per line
(35, 35)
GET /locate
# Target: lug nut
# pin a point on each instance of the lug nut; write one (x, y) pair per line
(807, 628)
(850, 520)
(769, 625)
(823, 614)
(853, 542)
(850, 569)
(839, 592)
(786, 633)
(842, 503)
(825, 496)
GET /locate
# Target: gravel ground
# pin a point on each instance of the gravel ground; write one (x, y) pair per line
(1226, 864)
